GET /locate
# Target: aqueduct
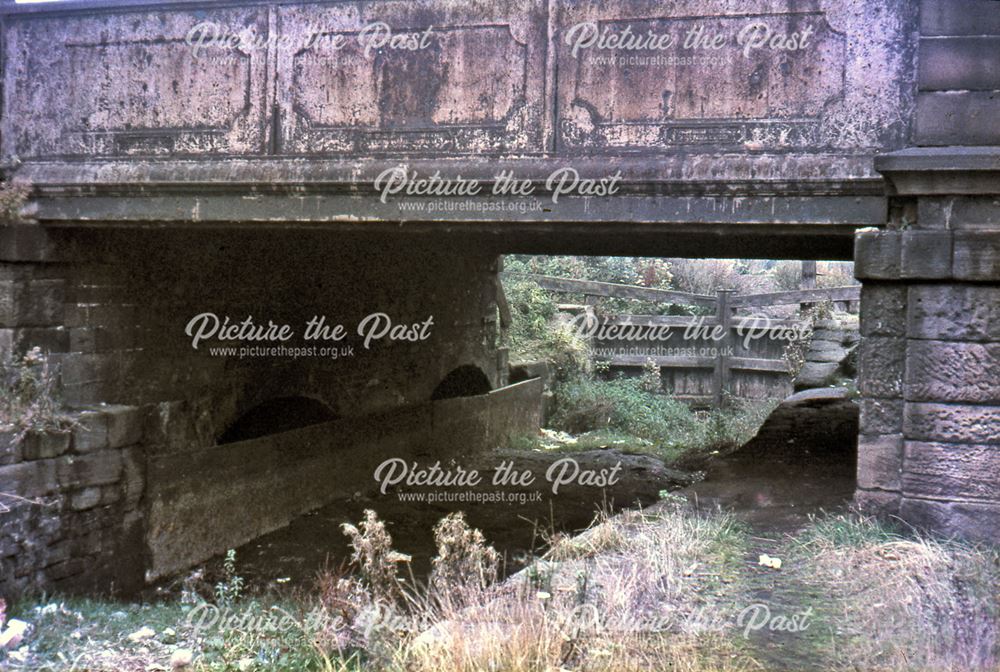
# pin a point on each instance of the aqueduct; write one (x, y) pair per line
(248, 158)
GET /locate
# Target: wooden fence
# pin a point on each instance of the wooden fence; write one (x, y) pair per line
(728, 352)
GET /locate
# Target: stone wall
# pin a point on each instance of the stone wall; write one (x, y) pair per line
(832, 355)
(205, 500)
(110, 307)
(929, 449)
(70, 505)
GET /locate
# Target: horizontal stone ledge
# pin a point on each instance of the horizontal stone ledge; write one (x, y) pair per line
(941, 170)
(721, 173)
(623, 212)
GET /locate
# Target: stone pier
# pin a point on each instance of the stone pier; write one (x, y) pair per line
(929, 449)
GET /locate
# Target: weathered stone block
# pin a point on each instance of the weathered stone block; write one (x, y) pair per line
(976, 212)
(134, 477)
(29, 479)
(826, 351)
(926, 254)
(880, 460)
(816, 374)
(883, 309)
(978, 521)
(954, 423)
(881, 364)
(70, 568)
(110, 494)
(968, 17)
(36, 303)
(124, 425)
(10, 448)
(91, 432)
(959, 212)
(947, 371)
(878, 255)
(977, 255)
(45, 445)
(881, 416)
(960, 62)
(87, 498)
(951, 470)
(957, 118)
(954, 312)
(84, 369)
(877, 502)
(100, 468)
(100, 339)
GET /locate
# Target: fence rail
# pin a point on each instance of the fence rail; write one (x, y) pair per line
(730, 330)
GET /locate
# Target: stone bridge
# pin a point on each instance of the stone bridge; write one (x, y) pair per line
(292, 159)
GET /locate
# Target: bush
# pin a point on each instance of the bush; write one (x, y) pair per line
(626, 405)
(536, 334)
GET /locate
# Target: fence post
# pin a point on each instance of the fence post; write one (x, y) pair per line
(808, 280)
(723, 377)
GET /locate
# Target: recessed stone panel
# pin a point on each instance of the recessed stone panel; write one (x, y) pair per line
(122, 84)
(473, 81)
(758, 75)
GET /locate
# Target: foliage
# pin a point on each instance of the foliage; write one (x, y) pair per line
(639, 271)
(29, 395)
(626, 405)
(465, 564)
(230, 589)
(374, 557)
(535, 333)
(12, 199)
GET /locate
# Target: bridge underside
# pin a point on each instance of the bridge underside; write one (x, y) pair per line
(168, 181)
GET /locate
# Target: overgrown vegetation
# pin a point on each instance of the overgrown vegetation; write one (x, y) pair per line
(29, 395)
(672, 428)
(585, 400)
(12, 200)
(890, 589)
(664, 588)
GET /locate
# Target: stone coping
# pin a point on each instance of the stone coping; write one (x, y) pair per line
(930, 171)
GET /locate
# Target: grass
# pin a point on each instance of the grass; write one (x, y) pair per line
(891, 589)
(656, 589)
(623, 410)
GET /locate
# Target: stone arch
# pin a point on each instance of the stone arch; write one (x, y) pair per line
(467, 380)
(276, 415)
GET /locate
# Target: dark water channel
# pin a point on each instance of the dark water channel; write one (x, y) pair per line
(775, 488)
(517, 527)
